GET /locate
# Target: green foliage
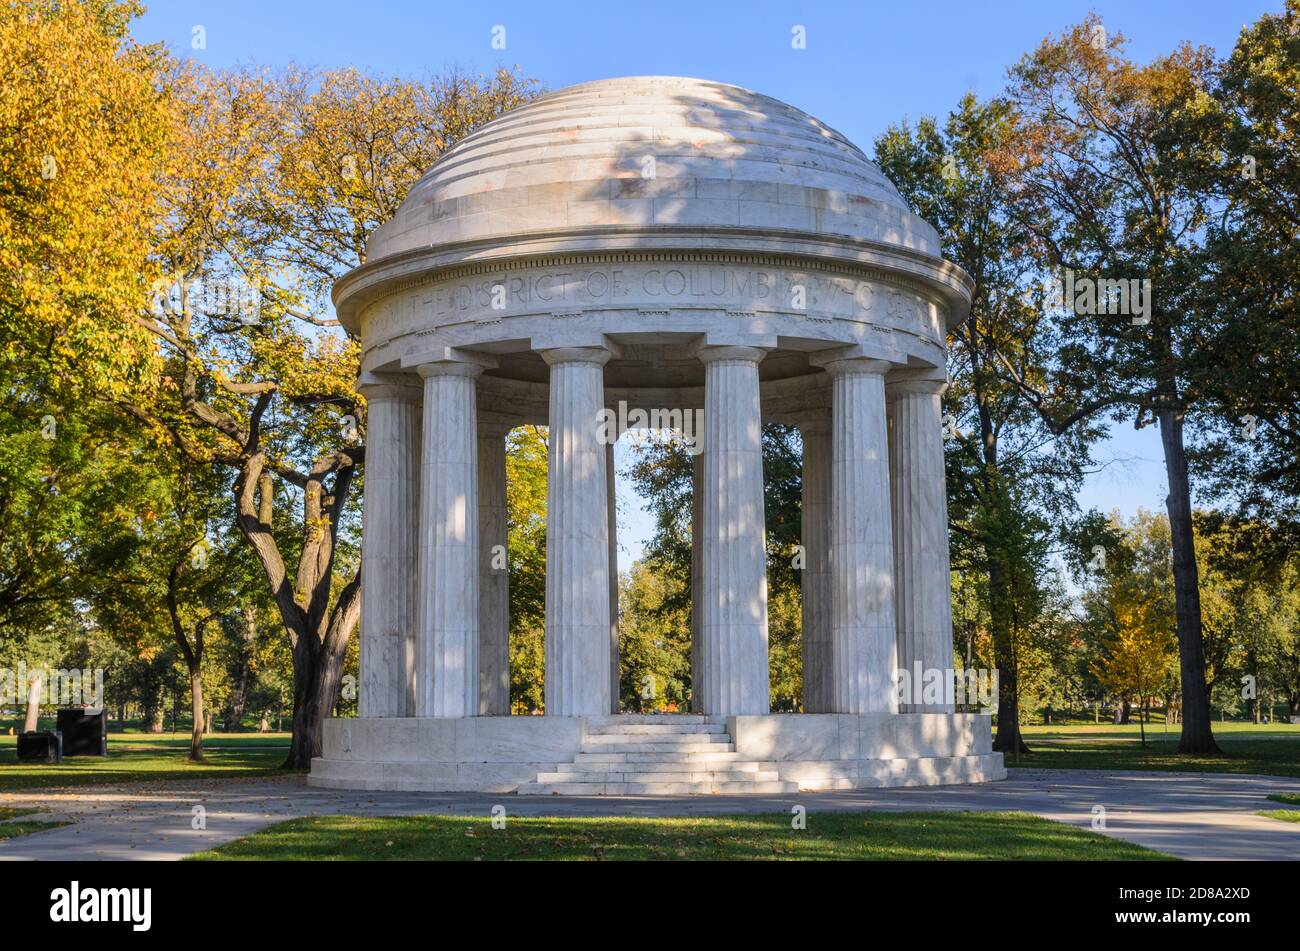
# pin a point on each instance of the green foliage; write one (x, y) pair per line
(654, 653)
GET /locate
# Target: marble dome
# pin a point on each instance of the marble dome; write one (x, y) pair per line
(655, 161)
(722, 155)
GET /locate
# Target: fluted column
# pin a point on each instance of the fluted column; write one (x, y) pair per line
(494, 577)
(577, 538)
(863, 632)
(733, 630)
(389, 550)
(815, 579)
(613, 579)
(922, 586)
(697, 575)
(447, 669)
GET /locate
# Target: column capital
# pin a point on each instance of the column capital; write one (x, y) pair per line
(389, 386)
(844, 366)
(448, 368)
(713, 353)
(927, 382)
(442, 360)
(555, 356)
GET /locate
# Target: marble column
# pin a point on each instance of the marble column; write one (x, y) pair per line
(577, 538)
(447, 668)
(389, 550)
(863, 634)
(697, 575)
(922, 585)
(733, 628)
(815, 579)
(613, 580)
(494, 576)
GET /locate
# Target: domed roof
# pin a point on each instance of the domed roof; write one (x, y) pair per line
(663, 155)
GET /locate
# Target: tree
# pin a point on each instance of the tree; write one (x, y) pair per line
(81, 137)
(81, 133)
(526, 474)
(295, 172)
(1250, 450)
(1133, 604)
(661, 472)
(654, 640)
(1006, 470)
(1101, 193)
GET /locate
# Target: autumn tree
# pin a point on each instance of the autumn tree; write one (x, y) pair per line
(1101, 193)
(1133, 604)
(1011, 482)
(82, 132)
(275, 184)
(81, 137)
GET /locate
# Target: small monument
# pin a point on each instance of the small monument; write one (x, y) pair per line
(639, 249)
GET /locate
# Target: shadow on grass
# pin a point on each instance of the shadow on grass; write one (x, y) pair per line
(952, 836)
(1276, 756)
(126, 764)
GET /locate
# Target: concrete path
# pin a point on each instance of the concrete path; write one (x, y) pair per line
(1191, 815)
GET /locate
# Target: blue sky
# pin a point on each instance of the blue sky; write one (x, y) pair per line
(866, 65)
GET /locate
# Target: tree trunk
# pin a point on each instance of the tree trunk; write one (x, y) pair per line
(197, 712)
(1197, 736)
(242, 681)
(157, 716)
(33, 719)
(1008, 739)
(318, 635)
(317, 677)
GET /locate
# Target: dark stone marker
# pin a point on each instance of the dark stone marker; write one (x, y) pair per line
(45, 746)
(84, 733)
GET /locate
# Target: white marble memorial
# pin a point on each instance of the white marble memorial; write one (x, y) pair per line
(673, 246)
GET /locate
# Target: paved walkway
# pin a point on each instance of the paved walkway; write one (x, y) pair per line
(1192, 815)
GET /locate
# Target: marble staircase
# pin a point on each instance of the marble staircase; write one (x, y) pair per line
(677, 755)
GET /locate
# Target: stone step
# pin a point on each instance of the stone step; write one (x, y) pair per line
(660, 776)
(647, 719)
(683, 748)
(672, 740)
(656, 729)
(655, 789)
(667, 764)
(627, 756)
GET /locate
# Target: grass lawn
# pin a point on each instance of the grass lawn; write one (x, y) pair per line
(11, 830)
(952, 836)
(1271, 749)
(148, 757)
(1286, 815)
